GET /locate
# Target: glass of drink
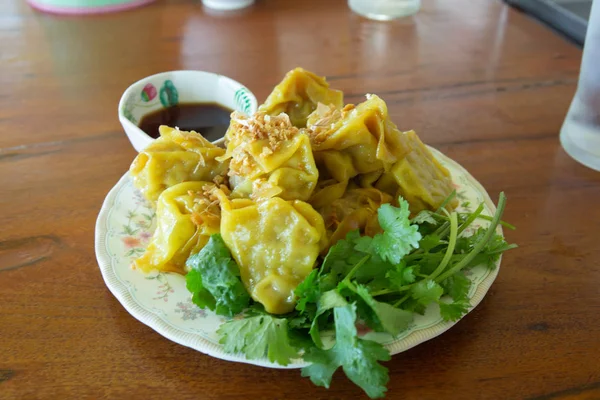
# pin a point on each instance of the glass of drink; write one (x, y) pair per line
(580, 133)
(384, 10)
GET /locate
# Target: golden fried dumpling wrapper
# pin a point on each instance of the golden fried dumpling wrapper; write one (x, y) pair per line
(364, 133)
(335, 164)
(327, 192)
(275, 243)
(175, 157)
(383, 157)
(298, 94)
(369, 179)
(187, 214)
(418, 177)
(356, 209)
(267, 152)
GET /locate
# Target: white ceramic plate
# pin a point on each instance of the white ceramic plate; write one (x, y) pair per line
(161, 300)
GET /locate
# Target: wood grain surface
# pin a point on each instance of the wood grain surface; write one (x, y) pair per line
(482, 82)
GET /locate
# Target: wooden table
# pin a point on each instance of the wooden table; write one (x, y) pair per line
(481, 82)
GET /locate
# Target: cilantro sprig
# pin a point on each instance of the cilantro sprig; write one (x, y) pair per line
(257, 337)
(379, 281)
(399, 236)
(214, 279)
(358, 358)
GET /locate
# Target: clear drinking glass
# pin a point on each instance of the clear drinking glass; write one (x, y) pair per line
(580, 133)
(384, 10)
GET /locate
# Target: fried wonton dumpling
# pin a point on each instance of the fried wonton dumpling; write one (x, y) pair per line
(187, 214)
(356, 209)
(418, 177)
(175, 157)
(379, 155)
(275, 243)
(269, 157)
(364, 133)
(298, 94)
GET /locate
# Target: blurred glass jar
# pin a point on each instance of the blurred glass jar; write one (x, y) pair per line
(384, 10)
(580, 133)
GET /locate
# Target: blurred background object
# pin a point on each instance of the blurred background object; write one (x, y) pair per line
(82, 7)
(384, 10)
(227, 4)
(580, 133)
(569, 17)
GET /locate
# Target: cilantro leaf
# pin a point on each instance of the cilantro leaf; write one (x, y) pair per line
(429, 242)
(364, 244)
(308, 293)
(382, 317)
(323, 366)
(342, 250)
(490, 253)
(481, 243)
(298, 338)
(200, 295)
(399, 237)
(214, 279)
(455, 310)
(494, 248)
(344, 256)
(254, 310)
(457, 286)
(463, 244)
(357, 357)
(339, 261)
(424, 216)
(430, 261)
(328, 301)
(374, 268)
(413, 305)
(297, 321)
(401, 275)
(426, 292)
(257, 337)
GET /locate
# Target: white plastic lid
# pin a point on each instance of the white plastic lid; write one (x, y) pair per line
(227, 4)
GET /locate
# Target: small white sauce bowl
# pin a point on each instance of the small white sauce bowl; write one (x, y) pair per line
(170, 88)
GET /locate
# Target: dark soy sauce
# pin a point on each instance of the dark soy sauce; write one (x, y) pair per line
(209, 119)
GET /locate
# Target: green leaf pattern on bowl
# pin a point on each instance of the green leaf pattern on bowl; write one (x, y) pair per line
(128, 107)
(169, 96)
(243, 100)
